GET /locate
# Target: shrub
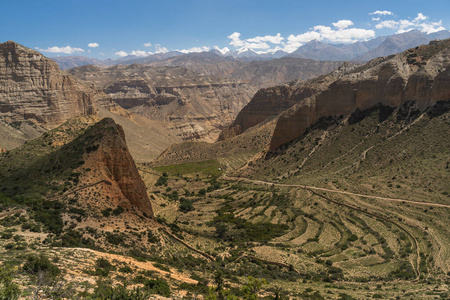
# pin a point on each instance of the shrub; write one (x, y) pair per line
(8, 289)
(40, 263)
(151, 237)
(115, 239)
(353, 238)
(186, 205)
(117, 211)
(162, 180)
(120, 292)
(103, 267)
(106, 212)
(158, 286)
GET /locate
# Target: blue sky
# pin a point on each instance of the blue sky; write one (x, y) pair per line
(110, 28)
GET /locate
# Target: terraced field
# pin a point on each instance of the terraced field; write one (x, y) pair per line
(348, 203)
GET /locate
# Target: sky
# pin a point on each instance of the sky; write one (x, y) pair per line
(113, 29)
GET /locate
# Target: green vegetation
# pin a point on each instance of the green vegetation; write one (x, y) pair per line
(231, 228)
(8, 289)
(40, 264)
(106, 291)
(103, 267)
(209, 168)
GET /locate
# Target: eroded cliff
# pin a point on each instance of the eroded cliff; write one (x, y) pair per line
(32, 88)
(193, 106)
(419, 75)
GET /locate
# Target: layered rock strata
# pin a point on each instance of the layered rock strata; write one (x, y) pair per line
(420, 75)
(192, 105)
(32, 88)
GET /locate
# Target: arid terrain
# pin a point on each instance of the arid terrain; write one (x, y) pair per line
(198, 177)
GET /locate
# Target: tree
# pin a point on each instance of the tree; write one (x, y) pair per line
(252, 287)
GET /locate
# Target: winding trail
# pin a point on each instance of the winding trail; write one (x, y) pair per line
(188, 246)
(79, 189)
(227, 178)
(313, 191)
(12, 212)
(270, 262)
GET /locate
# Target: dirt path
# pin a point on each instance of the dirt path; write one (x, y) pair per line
(79, 189)
(270, 262)
(335, 191)
(156, 173)
(313, 191)
(189, 246)
(9, 213)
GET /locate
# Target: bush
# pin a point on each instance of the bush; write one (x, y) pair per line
(162, 180)
(118, 210)
(151, 237)
(352, 238)
(158, 286)
(106, 212)
(103, 267)
(40, 263)
(8, 289)
(115, 239)
(120, 292)
(186, 205)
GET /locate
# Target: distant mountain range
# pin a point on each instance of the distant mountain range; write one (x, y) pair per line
(359, 51)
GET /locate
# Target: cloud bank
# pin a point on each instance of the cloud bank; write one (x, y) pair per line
(65, 50)
(342, 31)
(403, 25)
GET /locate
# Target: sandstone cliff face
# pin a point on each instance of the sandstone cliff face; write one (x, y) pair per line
(33, 88)
(270, 102)
(420, 75)
(109, 159)
(192, 105)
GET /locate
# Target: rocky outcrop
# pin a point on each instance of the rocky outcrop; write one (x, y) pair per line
(270, 102)
(84, 159)
(108, 158)
(33, 88)
(419, 75)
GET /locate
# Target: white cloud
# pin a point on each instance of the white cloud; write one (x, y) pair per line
(65, 50)
(93, 45)
(326, 33)
(382, 13)
(420, 17)
(274, 39)
(101, 53)
(376, 19)
(255, 43)
(224, 50)
(139, 53)
(121, 53)
(340, 34)
(195, 49)
(147, 44)
(235, 39)
(387, 24)
(342, 24)
(160, 49)
(419, 23)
